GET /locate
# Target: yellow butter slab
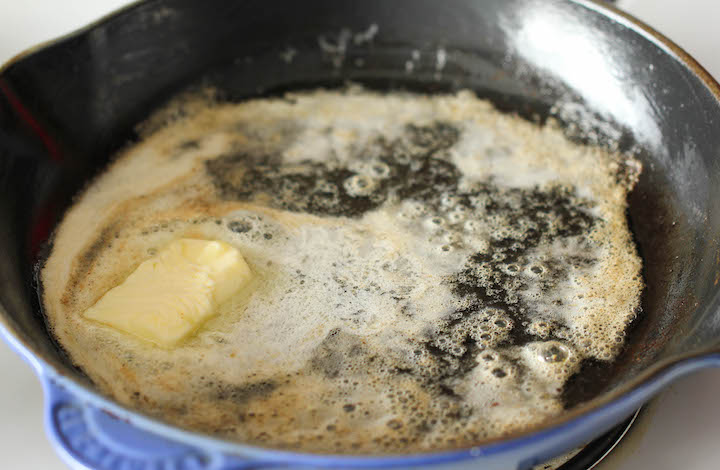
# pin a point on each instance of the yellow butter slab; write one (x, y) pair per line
(171, 295)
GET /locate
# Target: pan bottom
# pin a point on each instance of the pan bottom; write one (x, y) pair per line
(589, 456)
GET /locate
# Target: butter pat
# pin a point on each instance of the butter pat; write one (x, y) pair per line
(169, 296)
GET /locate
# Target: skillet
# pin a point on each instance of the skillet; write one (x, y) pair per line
(67, 107)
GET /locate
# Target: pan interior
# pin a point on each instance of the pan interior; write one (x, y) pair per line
(603, 81)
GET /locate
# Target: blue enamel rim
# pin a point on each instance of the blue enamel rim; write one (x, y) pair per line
(558, 438)
(574, 431)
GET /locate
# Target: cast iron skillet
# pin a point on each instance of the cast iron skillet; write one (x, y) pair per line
(65, 108)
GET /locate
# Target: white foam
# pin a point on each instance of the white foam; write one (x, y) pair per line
(388, 331)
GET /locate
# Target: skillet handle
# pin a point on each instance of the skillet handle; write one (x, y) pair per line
(87, 438)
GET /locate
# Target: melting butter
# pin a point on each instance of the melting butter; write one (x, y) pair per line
(171, 295)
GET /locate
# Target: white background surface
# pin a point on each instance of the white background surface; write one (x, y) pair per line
(684, 430)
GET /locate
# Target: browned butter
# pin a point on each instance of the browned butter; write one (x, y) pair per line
(428, 271)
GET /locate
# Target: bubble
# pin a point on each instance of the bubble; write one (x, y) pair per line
(537, 269)
(499, 373)
(456, 217)
(380, 170)
(435, 222)
(452, 237)
(359, 185)
(394, 424)
(512, 269)
(554, 353)
(239, 226)
(605, 355)
(448, 200)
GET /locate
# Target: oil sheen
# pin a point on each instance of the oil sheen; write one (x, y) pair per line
(428, 272)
